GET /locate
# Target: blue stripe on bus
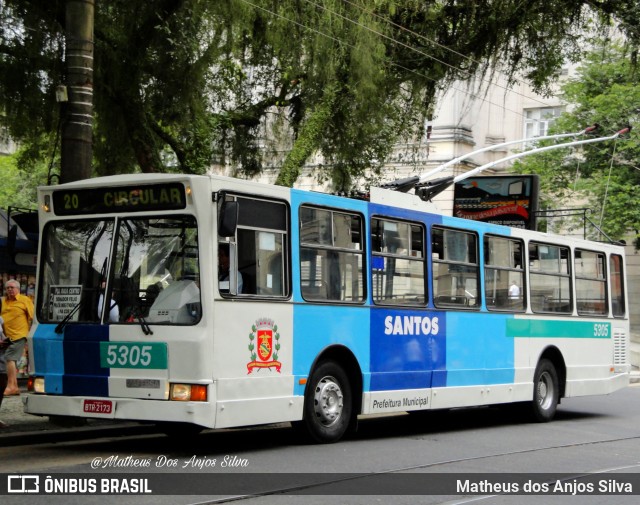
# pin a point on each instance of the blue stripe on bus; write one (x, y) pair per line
(402, 357)
(83, 373)
(406, 347)
(49, 356)
(479, 357)
(318, 327)
(422, 349)
(479, 351)
(70, 362)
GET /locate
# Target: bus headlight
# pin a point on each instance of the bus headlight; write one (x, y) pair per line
(35, 384)
(188, 393)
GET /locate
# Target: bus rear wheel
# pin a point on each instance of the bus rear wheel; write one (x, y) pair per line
(328, 403)
(546, 391)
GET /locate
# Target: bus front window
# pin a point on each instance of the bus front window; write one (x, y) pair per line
(74, 264)
(151, 271)
(156, 271)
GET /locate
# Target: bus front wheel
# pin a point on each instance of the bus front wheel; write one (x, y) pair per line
(328, 404)
(546, 391)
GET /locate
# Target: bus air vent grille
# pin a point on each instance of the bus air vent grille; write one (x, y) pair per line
(620, 352)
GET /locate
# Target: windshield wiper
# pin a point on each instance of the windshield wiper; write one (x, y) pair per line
(146, 329)
(68, 317)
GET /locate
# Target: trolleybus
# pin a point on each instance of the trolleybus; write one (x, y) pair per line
(215, 302)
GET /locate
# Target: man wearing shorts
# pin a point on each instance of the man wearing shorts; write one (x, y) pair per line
(17, 312)
(4, 343)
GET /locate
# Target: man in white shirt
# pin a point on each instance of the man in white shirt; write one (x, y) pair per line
(114, 311)
(514, 291)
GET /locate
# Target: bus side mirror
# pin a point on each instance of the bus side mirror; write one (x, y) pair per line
(228, 219)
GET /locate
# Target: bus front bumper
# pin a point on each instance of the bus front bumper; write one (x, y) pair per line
(131, 409)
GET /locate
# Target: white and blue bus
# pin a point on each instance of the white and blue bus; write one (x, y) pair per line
(215, 302)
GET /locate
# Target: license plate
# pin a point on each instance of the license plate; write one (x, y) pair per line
(103, 407)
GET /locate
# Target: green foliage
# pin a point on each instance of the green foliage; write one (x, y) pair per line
(18, 188)
(180, 85)
(604, 175)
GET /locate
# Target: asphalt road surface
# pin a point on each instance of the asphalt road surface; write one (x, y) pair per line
(592, 448)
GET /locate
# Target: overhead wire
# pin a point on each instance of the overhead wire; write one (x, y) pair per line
(431, 41)
(606, 191)
(420, 74)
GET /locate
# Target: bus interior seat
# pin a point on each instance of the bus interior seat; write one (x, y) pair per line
(317, 292)
(451, 300)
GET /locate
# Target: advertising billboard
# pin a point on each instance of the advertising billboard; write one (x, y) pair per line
(509, 200)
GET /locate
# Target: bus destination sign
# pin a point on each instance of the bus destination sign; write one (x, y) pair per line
(139, 198)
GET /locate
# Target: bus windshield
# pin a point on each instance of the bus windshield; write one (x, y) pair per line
(120, 270)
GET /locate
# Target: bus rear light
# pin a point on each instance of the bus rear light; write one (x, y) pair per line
(35, 384)
(188, 393)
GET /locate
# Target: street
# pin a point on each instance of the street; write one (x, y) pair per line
(589, 435)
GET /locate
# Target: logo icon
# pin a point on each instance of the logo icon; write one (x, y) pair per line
(264, 346)
(23, 484)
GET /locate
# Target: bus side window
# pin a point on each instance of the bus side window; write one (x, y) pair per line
(591, 282)
(247, 261)
(261, 240)
(455, 268)
(331, 255)
(549, 278)
(504, 276)
(616, 277)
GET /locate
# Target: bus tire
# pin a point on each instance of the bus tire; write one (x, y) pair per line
(328, 403)
(546, 391)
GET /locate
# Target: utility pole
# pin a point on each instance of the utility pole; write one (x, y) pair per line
(76, 150)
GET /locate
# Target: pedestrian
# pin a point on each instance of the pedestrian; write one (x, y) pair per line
(4, 343)
(17, 313)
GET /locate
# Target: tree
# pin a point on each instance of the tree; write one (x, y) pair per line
(182, 84)
(18, 188)
(606, 91)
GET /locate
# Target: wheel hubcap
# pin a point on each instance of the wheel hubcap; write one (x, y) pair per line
(545, 391)
(328, 401)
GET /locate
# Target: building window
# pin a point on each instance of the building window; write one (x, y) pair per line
(538, 121)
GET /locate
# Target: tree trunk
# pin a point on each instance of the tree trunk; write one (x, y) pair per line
(76, 149)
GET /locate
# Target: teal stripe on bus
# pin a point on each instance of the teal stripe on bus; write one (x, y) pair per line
(548, 328)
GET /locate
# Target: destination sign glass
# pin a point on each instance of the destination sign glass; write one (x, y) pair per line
(139, 198)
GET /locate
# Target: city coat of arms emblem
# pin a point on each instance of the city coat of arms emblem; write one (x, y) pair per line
(264, 346)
